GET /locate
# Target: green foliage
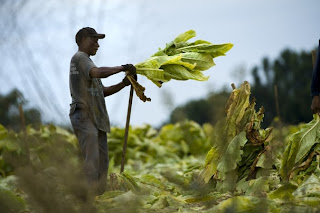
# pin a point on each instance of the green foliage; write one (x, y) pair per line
(172, 142)
(10, 201)
(284, 191)
(181, 60)
(166, 170)
(299, 146)
(9, 111)
(232, 155)
(291, 73)
(47, 165)
(240, 148)
(309, 188)
(300, 158)
(184, 138)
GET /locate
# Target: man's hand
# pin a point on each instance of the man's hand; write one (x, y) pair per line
(130, 68)
(135, 77)
(126, 81)
(315, 105)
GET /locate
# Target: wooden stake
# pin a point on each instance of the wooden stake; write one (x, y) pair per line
(24, 129)
(277, 101)
(126, 130)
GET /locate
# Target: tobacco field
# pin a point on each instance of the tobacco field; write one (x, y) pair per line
(233, 166)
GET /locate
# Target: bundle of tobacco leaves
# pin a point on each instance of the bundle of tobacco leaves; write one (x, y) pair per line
(241, 150)
(179, 60)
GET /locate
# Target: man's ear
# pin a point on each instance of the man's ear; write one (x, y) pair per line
(82, 40)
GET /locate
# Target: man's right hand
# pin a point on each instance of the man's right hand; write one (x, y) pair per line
(130, 68)
(315, 105)
(127, 82)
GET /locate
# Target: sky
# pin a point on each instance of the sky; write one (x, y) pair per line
(38, 42)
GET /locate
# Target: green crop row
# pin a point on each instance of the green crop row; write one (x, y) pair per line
(234, 166)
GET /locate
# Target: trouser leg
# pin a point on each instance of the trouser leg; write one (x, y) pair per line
(87, 135)
(90, 150)
(103, 162)
(103, 155)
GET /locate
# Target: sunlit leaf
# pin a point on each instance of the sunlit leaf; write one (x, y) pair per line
(232, 155)
(299, 145)
(181, 60)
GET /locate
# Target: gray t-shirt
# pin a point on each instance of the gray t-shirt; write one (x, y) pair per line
(87, 92)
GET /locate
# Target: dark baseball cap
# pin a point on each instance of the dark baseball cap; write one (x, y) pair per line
(88, 32)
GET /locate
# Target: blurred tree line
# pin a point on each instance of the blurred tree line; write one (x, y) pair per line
(14, 113)
(281, 86)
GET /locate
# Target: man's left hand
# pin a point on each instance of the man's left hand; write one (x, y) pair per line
(129, 67)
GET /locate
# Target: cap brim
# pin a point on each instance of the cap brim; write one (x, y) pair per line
(100, 36)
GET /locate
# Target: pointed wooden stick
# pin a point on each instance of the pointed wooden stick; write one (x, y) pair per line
(126, 130)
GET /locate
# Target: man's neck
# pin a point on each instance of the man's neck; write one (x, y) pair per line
(81, 50)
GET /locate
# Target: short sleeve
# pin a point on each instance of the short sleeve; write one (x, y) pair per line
(86, 64)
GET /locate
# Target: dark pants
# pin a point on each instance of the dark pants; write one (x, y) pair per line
(93, 144)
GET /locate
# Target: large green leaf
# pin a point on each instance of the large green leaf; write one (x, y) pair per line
(203, 61)
(178, 72)
(152, 74)
(309, 188)
(179, 41)
(210, 166)
(236, 108)
(229, 182)
(175, 60)
(284, 191)
(212, 49)
(185, 36)
(257, 186)
(299, 145)
(307, 138)
(232, 155)
(156, 62)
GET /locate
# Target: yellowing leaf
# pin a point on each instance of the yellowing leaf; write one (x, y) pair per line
(181, 60)
(299, 145)
(232, 155)
(139, 89)
(203, 61)
(210, 166)
(179, 72)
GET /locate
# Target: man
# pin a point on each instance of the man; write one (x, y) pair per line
(88, 113)
(315, 85)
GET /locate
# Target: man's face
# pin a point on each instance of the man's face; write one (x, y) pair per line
(90, 45)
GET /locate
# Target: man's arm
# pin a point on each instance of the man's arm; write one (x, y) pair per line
(116, 88)
(104, 72)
